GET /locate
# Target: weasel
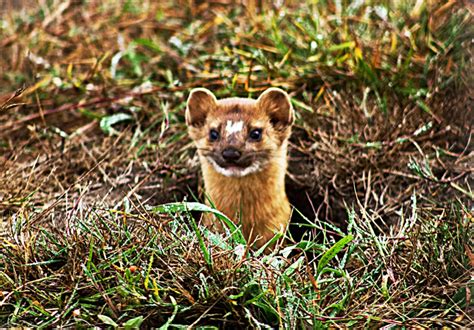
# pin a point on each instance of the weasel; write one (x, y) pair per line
(242, 148)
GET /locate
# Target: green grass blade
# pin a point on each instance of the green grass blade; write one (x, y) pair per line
(331, 253)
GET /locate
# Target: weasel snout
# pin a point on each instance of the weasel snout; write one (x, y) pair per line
(231, 154)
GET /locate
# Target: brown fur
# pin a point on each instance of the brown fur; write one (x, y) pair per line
(252, 189)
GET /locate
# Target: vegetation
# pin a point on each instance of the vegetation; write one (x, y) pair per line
(99, 182)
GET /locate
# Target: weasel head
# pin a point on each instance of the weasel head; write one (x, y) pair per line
(239, 136)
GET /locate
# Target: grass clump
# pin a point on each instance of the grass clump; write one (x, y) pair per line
(96, 168)
(147, 266)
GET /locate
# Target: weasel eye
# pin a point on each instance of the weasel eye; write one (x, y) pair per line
(256, 134)
(213, 135)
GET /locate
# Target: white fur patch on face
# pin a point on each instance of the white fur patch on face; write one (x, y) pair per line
(234, 172)
(232, 127)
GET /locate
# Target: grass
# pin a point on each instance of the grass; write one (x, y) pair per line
(99, 180)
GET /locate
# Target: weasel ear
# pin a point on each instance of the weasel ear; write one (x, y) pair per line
(276, 103)
(200, 102)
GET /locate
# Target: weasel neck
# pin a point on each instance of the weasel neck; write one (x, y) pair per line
(251, 197)
(257, 201)
(269, 180)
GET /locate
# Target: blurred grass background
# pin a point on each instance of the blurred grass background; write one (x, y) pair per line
(92, 134)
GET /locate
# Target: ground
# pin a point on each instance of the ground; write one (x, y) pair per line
(100, 183)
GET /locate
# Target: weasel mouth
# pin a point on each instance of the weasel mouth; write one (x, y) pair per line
(239, 164)
(233, 169)
(233, 166)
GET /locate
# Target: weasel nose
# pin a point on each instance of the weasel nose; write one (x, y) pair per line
(231, 154)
